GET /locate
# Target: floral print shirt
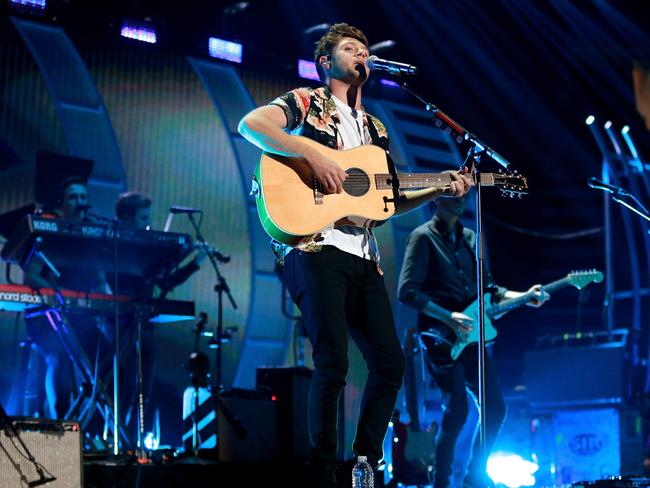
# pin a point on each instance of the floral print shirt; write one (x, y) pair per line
(312, 113)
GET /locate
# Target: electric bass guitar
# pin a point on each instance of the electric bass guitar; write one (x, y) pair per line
(292, 207)
(444, 345)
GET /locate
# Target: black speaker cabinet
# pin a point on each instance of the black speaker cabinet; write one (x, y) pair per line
(55, 447)
(575, 376)
(246, 426)
(290, 387)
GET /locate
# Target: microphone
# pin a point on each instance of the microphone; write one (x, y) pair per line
(176, 209)
(212, 251)
(221, 257)
(393, 67)
(597, 184)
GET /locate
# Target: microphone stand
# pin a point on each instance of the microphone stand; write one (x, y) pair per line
(475, 152)
(616, 196)
(117, 427)
(221, 287)
(643, 213)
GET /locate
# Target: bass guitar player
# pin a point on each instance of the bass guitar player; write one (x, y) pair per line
(438, 279)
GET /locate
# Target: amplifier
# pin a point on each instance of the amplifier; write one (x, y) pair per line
(246, 421)
(588, 444)
(54, 446)
(575, 376)
(290, 388)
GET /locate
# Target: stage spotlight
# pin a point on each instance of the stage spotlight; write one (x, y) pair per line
(511, 470)
(307, 70)
(139, 31)
(590, 120)
(150, 441)
(226, 50)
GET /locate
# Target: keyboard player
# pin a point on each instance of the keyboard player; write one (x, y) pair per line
(60, 380)
(133, 210)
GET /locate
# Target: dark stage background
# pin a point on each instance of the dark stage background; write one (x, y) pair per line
(522, 75)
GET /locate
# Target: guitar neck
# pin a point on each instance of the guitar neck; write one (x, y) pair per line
(513, 303)
(414, 181)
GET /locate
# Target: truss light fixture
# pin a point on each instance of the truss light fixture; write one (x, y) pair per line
(28, 6)
(139, 31)
(307, 69)
(226, 50)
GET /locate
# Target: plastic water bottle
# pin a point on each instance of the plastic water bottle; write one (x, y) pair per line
(362, 475)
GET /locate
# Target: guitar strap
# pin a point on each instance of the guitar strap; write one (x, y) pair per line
(383, 143)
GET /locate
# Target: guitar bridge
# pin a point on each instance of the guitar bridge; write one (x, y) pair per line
(386, 200)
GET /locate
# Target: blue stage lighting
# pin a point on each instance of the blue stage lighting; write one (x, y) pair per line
(388, 83)
(227, 50)
(307, 69)
(139, 31)
(590, 120)
(150, 441)
(511, 470)
(35, 6)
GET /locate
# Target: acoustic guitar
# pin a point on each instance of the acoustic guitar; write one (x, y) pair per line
(292, 207)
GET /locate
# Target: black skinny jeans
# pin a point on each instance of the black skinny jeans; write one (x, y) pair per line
(339, 293)
(453, 382)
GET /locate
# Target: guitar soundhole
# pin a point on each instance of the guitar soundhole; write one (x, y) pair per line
(357, 183)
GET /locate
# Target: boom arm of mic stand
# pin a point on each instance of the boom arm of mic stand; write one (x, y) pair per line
(635, 210)
(445, 123)
(221, 280)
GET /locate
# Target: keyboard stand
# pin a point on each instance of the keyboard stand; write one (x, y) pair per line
(82, 363)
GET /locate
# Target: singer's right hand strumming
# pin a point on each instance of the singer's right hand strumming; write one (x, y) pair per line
(330, 174)
(265, 126)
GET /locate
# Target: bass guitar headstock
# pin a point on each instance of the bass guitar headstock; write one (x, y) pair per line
(580, 279)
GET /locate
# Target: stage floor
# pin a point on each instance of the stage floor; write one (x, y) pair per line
(199, 473)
